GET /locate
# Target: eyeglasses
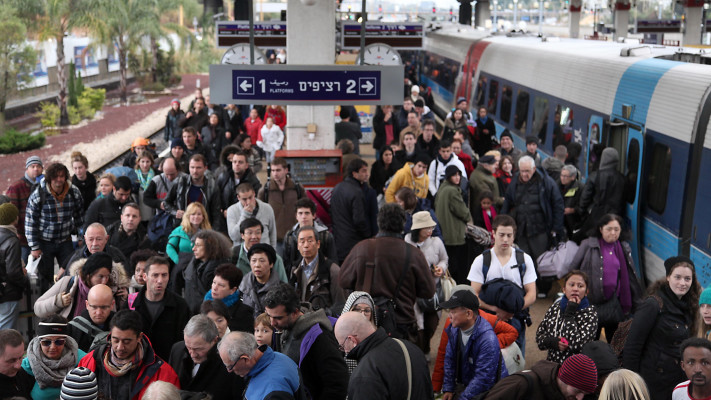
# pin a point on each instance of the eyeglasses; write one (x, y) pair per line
(364, 311)
(57, 342)
(341, 346)
(232, 367)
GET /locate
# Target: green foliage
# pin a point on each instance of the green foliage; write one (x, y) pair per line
(79, 85)
(85, 109)
(96, 97)
(13, 141)
(17, 58)
(71, 86)
(153, 87)
(48, 114)
(74, 116)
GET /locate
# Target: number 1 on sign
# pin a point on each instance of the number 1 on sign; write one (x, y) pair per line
(263, 84)
(351, 86)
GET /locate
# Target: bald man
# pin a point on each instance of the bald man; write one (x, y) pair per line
(381, 372)
(92, 325)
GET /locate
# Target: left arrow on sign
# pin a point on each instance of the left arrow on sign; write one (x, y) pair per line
(245, 86)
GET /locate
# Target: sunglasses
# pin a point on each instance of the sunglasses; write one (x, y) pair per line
(57, 342)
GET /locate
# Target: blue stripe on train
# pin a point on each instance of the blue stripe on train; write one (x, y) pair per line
(637, 86)
(702, 262)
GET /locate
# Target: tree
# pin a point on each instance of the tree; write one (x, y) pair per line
(17, 58)
(157, 31)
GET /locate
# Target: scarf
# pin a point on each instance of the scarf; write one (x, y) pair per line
(117, 367)
(82, 295)
(11, 228)
(229, 300)
(584, 303)
(59, 196)
(484, 120)
(624, 293)
(145, 180)
(487, 220)
(48, 372)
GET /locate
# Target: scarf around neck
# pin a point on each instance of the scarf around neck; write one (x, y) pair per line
(145, 180)
(82, 295)
(116, 367)
(48, 372)
(59, 195)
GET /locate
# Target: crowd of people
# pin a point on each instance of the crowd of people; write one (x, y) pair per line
(189, 277)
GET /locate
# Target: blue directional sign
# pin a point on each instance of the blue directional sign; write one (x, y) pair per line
(294, 84)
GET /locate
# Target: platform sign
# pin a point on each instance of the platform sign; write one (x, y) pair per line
(306, 84)
(659, 26)
(399, 35)
(267, 35)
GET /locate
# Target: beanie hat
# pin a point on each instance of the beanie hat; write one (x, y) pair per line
(705, 296)
(33, 160)
(175, 101)
(95, 262)
(8, 213)
(461, 100)
(79, 384)
(531, 139)
(579, 371)
(415, 88)
(487, 159)
(51, 329)
(507, 134)
(670, 262)
(177, 142)
(450, 171)
(602, 355)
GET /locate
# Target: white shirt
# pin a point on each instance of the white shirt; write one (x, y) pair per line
(681, 392)
(496, 270)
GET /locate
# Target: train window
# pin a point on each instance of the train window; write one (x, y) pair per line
(540, 118)
(440, 70)
(658, 180)
(562, 126)
(521, 111)
(632, 170)
(481, 92)
(493, 96)
(506, 98)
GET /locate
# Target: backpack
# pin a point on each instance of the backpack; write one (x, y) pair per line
(87, 327)
(520, 263)
(623, 329)
(43, 194)
(526, 395)
(160, 227)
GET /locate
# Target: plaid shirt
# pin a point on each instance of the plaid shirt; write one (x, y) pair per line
(52, 221)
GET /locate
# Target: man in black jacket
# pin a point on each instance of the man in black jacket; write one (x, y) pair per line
(106, 211)
(164, 313)
(14, 381)
(199, 349)
(94, 321)
(350, 222)
(96, 239)
(128, 234)
(196, 187)
(13, 280)
(381, 371)
(230, 179)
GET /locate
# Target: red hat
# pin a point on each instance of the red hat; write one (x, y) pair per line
(580, 372)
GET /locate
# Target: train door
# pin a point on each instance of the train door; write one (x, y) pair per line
(628, 139)
(595, 125)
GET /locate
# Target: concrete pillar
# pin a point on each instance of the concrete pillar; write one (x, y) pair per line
(574, 18)
(622, 18)
(694, 19)
(310, 40)
(482, 13)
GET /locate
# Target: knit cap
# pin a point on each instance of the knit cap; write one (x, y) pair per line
(79, 384)
(602, 355)
(95, 262)
(177, 142)
(507, 134)
(175, 101)
(8, 214)
(579, 371)
(705, 296)
(33, 160)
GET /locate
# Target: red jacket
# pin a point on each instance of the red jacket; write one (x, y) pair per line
(278, 115)
(253, 129)
(506, 334)
(152, 369)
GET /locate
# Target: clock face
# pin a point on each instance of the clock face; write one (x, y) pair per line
(239, 55)
(381, 54)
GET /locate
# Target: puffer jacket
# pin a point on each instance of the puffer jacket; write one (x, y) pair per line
(51, 301)
(577, 324)
(452, 213)
(482, 355)
(550, 201)
(177, 199)
(13, 280)
(253, 294)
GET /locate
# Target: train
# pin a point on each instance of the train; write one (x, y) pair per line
(650, 102)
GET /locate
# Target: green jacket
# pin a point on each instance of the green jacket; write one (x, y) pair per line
(481, 181)
(452, 214)
(178, 242)
(243, 264)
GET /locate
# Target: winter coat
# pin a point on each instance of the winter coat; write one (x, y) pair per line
(480, 181)
(198, 277)
(543, 377)
(482, 356)
(380, 374)
(13, 281)
(571, 198)
(178, 242)
(87, 188)
(484, 142)
(388, 255)
(52, 221)
(197, 120)
(292, 257)
(275, 376)
(405, 178)
(177, 199)
(436, 171)
(19, 385)
(278, 115)
(253, 294)
(264, 213)
(253, 128)
(433, 250)
(105, 211)
(452, 213)
(553, 166)
(212, 377)
(51, 301)
(604, 192)
(430, 147)
(549, 201)
(653, 344)
(228, 189)
(379, 124)
(233, 124)
(350, 222)
(243, 264)
(133, 384)
(379, 174)
(241, 316)
(167, 328)
(351, 131)
(18, 193)
(577, 323)
(589, 260)
(172, 128)
(119, 239)
(311, 344)
(322, 290)
(283, 203)
(272, 139)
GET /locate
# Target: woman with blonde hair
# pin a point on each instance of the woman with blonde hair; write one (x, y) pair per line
(624, 384)
(106, 185)
(181, 239)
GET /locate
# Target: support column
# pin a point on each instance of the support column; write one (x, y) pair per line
(574, 18)
(482, 13)
(622, 18)
(693, 21)
(308, 42)
(465, 12)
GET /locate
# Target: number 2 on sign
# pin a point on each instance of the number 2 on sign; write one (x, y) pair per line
(262, 83)
(351, 86)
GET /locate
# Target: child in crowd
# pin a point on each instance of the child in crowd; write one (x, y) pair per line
(263, 330)
(705, 311)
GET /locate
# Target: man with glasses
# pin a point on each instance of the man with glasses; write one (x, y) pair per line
(126, 365)
(316, 277)
(198, 364)
(270, 374)
(307, 338)
(92, 325)
(381, 372)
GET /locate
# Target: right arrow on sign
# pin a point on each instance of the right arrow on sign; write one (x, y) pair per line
(367, 86)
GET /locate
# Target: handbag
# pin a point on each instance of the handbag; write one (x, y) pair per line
(513, 358)
(610, 312)
(384, 306)
(556, 261)
(448, 284)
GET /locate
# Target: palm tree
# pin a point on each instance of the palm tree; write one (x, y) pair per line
(162, 30)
